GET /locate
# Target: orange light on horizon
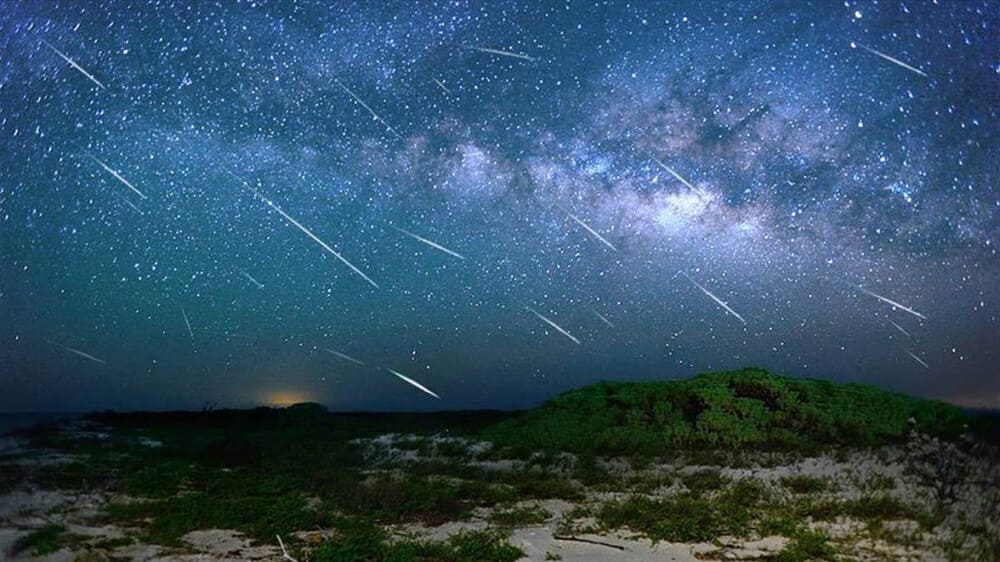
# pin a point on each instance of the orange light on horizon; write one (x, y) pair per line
(284, 398)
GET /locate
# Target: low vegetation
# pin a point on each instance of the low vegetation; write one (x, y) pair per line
(362, 541)
(732, 409)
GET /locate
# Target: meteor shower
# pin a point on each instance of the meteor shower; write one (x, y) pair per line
(499, 281)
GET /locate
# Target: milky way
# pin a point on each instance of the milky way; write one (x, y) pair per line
(498, 201)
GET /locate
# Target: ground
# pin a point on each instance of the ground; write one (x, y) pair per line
(300, 483)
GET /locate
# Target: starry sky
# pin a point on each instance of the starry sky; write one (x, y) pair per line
(362, 204)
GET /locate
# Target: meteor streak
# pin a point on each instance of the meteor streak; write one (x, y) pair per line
(900, 328)
(187, 323)
(342, 355)
(590, 230)
(720, 302)
(678, 176)
(893, 303)
(441, 85)
(117, 175)
(370, 110)
(500, 53)
(917, 359)
(307, 232)
(557, 327)
(252, 280)
(892, 60)
(73, 64)
(413, 382)
(133, 205)
(603, 319)
(434, 245)
(78, 352)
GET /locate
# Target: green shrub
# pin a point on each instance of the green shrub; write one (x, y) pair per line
(704, 481)
(519, 516)
(41, 541)
(803, 484)
(806, 545)
(361, 541)
(737, 409)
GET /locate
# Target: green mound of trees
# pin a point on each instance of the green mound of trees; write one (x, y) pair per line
(750, 408)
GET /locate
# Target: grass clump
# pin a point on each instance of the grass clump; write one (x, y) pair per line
(803, 484)
(363, 541)
(687, 517)
(41, 541)
(747, 408)
(704, 481)
(520, 516)
(806, 545)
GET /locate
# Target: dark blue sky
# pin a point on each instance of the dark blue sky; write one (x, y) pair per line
(203, 202)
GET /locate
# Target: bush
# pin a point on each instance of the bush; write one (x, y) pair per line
(737, 409)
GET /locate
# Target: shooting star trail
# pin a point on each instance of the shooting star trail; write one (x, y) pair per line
(250, 277)
(441, 85)
(370, 110)
(917, 359)
(500, 53)
(131, 204)
(187, 323)
(603, 319)
(557, 327)
(116, 175)
(892, 60)
(73, 64)
(893, 303)
(78, 352)
(305, 230)
(413, 382)
(344, 356)
(900, 328)
(720, 302)
(430, 243)
(678, 177)
(590, 230)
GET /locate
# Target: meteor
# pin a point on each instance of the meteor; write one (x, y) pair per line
(715, 298)
(893, 303)
(603, 319)
(252, 280)
(678, 176)
(187, 323)
(117, 175)
(557, 327)
(78, 352)
(370, 110)
(73, 64)
(590, 230)
(917, 359)
(413, 382)
(434, 245)
(306, 231)
(892, 60)
(131, 204)
(900, 328)
(441, 85)
(500, 53)
(342, 355)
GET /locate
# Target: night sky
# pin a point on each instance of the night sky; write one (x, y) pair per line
(250, 203)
